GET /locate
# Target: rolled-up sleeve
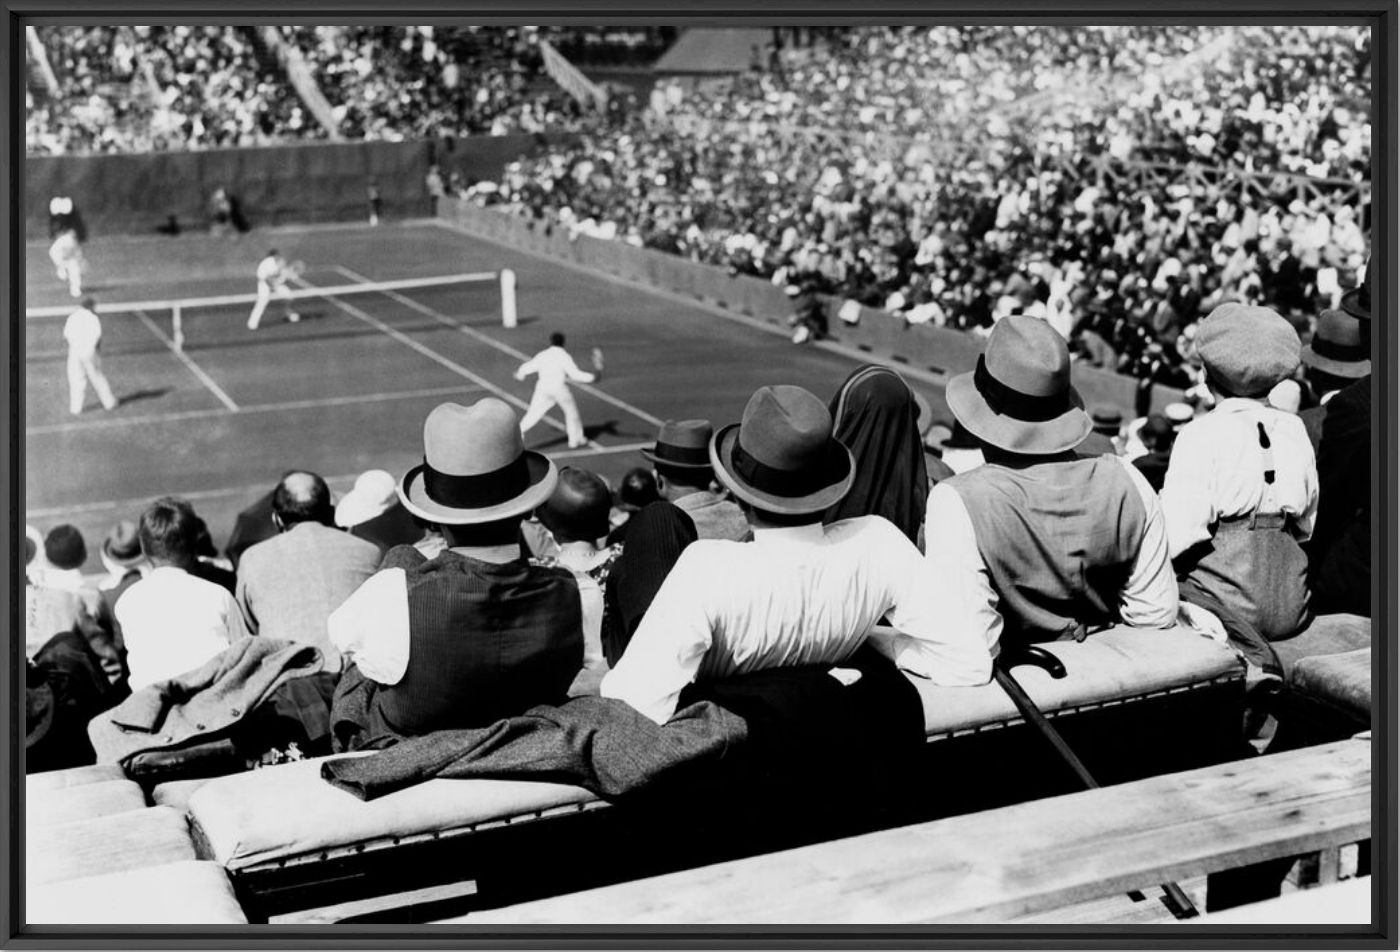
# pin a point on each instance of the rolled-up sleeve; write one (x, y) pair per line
(371, 626)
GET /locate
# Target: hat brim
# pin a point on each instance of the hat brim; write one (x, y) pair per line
(651, 456)
(1350, 369)
(1039, 438)
(543, 477)
(352, 511)
(1351, 303)
(837, 484)
(121, 563)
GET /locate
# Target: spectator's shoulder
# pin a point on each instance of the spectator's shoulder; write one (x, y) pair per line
(402, 557)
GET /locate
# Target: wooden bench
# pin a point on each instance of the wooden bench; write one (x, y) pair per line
(1015, 861)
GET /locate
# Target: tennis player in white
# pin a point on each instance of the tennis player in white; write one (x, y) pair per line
(555, 369)
(273, 275)
(83, 332)
(66, 252)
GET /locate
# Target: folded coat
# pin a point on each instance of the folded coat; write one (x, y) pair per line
(200, 705)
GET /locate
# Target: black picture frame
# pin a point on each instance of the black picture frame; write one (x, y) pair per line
(1380, 15)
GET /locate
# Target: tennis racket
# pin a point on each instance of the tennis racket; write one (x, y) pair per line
(597, 360)
(294, 270)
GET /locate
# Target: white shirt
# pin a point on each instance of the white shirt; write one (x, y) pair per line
(82, 330)
(803, 595)
(1217, 472)
(963, 587)
(173, 622)
(270, 271)
(555, 366)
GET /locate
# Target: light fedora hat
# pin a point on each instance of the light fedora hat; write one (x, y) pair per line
(782, 456)
(685, 444)
(475, 467)
(1339, 346)
(1019, 398)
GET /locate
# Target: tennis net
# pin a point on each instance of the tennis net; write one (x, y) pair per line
(211, 321)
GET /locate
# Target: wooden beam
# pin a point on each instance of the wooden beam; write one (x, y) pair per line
(327, 915)
(1011, 862)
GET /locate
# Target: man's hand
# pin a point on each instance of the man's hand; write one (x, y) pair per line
(597, 356)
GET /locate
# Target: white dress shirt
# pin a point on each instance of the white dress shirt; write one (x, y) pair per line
(1217, 471)
(963, 587)
(555, 367)
(803, 595)
(173, 622)
(83, 331)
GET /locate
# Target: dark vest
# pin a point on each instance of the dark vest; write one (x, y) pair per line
(486, 641)
(1059, 539)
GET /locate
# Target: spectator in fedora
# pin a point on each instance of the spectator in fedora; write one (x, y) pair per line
(681, 461)
(1338, 355)
(121, 556)
(1340, 550)
(371, 510)
(173, 622)
(289, 585)
(1106, 436)
(876, 416)
(1040, 543)
(800, 592)
(1240, 495)
(1157, 438)
(478, 632)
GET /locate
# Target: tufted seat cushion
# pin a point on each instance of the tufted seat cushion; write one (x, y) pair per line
(288, 810)
(83, 802)
(108, 844)
(1341, 681)
(172, 894)
(1109, 667)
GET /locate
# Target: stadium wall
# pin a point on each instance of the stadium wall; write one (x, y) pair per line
(937, 350)
(309, 183)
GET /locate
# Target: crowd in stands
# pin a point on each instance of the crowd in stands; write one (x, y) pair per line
(152, 88)
(488, 580)
(853, 168)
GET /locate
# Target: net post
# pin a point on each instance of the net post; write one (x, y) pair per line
(179, 329)
(508, 316)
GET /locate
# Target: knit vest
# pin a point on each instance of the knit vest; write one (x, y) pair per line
(1059, 539)
(486, 641)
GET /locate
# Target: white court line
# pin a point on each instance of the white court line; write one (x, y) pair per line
(157, 418)
(184, 358)
(437, 358)
(250, 492)
(498, 345)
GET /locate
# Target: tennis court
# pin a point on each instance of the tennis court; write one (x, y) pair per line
(347, 388)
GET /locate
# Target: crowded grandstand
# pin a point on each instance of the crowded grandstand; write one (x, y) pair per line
(510, 439)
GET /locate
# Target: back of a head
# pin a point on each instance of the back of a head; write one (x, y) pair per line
(169, 532)
(302, 497)
(638, 489)
(88, 303)
(556, 339)
(578, 509)
(64, 547)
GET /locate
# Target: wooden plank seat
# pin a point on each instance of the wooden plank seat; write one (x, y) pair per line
(153, 836)
(1014, 861)
(180, 893)
(82, 802)
(282, 830)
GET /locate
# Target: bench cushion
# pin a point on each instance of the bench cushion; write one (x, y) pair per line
(1109, 666)
(1342, 681)
(151, 837)
(184, 893)
(284, 811)
(177, 793)
(37, 783)
(83, 802)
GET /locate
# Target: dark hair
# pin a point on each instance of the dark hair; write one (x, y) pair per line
(578, 509)
(697, 477)
(556, 339)
(169, 531)
(88, 302)
(64, 547)
(638, 489)
(271, 252)
(302, 496)
(780, 519)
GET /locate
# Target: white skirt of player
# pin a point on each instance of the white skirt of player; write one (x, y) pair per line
(66, 253)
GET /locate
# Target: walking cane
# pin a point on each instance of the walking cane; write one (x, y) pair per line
(1175, 899)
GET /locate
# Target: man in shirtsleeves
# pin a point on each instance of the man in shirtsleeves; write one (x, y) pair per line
(1041, 543)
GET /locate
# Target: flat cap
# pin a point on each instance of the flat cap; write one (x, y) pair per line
(1247, 349)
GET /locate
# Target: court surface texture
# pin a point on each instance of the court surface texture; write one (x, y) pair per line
(347, 388)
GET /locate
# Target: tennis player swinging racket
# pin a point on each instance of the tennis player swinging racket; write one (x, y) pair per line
(274, 273)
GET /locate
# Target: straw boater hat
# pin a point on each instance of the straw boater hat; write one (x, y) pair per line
(1247, 349)
(475, 467)
(1338, 346)
(684, 444)
(1019, 398)
(782, 457)
(373, 495)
